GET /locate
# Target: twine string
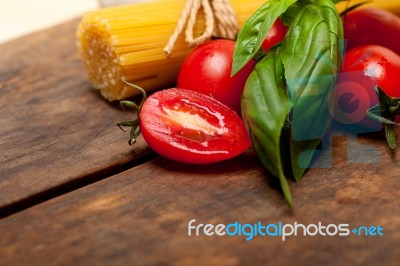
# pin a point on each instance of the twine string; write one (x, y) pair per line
(220, 20)
(228, 24)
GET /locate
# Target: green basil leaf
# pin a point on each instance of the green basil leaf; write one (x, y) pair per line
(291, 12)
(265, 109)
(254, 31)
(311, 57)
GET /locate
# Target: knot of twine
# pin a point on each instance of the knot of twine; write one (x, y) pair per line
(215, 10)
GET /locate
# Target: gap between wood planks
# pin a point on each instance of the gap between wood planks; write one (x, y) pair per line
(70, 186)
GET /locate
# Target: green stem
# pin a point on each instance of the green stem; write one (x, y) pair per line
(133, 124)
(348, 9)
(130, 105)
(389, 132)
(395, 109)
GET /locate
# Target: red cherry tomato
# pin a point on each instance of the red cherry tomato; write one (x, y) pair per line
(368, 26)
(189, 127)
(275, 35)
(207, 70)
(364, 68)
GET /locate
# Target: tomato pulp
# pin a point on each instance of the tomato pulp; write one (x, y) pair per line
(190, 127)
(207, 69)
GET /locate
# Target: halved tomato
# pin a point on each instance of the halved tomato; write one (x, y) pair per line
(190, 127)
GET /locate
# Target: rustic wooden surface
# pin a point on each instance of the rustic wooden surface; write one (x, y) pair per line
(139, 217)
(55, 130)
(55, 133)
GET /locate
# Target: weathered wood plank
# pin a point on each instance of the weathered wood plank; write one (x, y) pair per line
(140, 217)
(54, 128)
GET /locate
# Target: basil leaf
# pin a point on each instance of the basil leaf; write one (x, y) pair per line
(311, 57)
(255, 30)
(265, 109)
(290, 13)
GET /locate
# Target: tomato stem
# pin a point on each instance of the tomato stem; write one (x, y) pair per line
(350, 8)
(142, 91)
(133, 124)
(129, 104)
(135, 129)
(395, 109)
(391, 139)
(386, 112)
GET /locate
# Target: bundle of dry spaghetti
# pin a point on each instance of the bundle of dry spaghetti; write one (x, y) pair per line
(127, 42)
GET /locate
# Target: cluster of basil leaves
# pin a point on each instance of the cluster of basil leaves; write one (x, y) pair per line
(285, 100)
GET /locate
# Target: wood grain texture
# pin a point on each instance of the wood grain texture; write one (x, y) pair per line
(139, 217)
(54, 128)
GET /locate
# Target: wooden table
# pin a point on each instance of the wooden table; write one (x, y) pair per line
(72, 192)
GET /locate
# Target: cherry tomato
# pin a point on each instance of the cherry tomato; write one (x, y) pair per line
(207, 70)
(364, 68)
(187, 126)
(275, 35)
(367, 26)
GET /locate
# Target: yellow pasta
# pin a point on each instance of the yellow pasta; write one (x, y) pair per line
(128, 41)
